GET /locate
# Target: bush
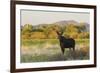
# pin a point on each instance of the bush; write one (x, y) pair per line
(84, 35)
(37, 35)
(26, 36)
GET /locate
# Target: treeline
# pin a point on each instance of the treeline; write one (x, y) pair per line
(46, 31)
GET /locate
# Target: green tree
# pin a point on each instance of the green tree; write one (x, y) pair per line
(71, 31)
(81, 27)
(27, 28)
(26, 31)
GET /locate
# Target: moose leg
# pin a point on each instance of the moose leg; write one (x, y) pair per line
(74, 55)
(62, 49)
(73, 48)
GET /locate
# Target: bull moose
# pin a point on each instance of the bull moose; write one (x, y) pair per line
(65, 42)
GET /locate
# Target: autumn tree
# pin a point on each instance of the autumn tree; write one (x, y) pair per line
(26, 31)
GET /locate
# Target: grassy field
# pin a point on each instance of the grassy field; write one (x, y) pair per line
(43, 50)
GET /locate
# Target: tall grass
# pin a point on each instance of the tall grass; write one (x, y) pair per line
(42, 50)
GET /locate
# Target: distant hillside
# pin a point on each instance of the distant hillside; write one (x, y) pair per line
(64, 22)
(86, 25)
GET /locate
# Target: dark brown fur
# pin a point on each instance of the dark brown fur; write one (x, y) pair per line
(65, 42)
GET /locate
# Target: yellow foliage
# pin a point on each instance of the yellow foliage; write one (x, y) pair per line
(37, 35)
(52, 35)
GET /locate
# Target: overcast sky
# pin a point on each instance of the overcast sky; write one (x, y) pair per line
(40, 17)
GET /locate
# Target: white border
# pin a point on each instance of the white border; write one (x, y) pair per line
(58, 63)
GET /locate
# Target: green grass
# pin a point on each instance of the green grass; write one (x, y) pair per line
(43, 50)
(80, 41)
(28, 42)
(79, 55)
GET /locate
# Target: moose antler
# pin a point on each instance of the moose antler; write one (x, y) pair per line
(59, 31)
(62, 30)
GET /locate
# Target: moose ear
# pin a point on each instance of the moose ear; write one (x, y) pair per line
(57, 32)
(61, 32)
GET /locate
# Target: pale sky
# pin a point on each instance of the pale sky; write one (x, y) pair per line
(48, 17)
